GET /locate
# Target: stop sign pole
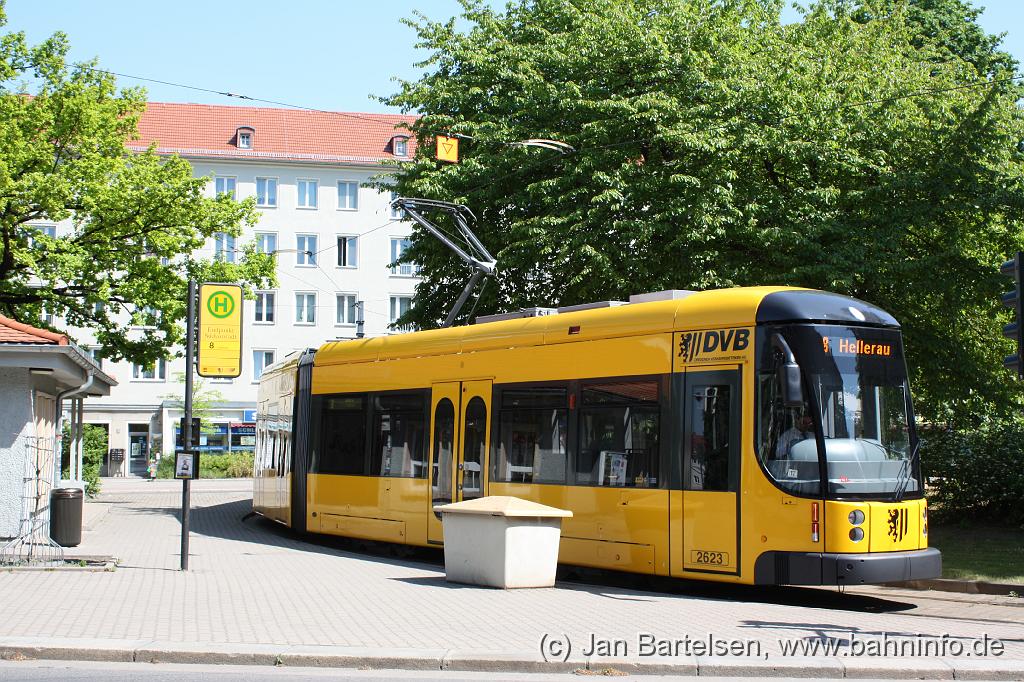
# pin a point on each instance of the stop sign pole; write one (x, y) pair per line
(186, 435)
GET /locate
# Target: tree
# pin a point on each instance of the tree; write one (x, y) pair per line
(136, 217)
(205, 400)
(716, 147)
(946, 27)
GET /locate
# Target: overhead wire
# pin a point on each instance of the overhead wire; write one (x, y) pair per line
(670, 134)
(577, 150)
(551, 159)
(235, 95)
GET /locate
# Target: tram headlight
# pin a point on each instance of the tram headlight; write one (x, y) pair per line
(856, 517)
(856, 533)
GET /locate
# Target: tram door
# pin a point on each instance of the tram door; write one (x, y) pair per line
(459, 443)
(711, 470)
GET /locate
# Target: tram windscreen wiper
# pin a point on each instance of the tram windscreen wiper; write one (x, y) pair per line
(906, 472)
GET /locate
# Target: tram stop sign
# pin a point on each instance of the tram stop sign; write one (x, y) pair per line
(220, 330)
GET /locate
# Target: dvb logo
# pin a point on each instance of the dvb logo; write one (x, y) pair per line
(698, 345)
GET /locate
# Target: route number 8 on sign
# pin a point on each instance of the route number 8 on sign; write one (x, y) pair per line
(220, 330)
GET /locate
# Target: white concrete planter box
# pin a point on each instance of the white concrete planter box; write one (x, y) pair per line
(501, 542)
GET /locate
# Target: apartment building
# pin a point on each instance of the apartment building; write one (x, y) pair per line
(333, 236)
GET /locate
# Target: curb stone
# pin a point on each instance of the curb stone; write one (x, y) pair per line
(653, 665)
(145, 651)
(361, 658)
(222, 654)
(964, 586)
(506, 662)
(987, 669)
(728, 666)
(899, 669)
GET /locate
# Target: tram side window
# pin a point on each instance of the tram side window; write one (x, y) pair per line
(343, 436)
(618, 425)
(272, 459)
(400, 434)
(710, 445)
(283, 454)
(785, 439)
(532, 436)
(444, 446)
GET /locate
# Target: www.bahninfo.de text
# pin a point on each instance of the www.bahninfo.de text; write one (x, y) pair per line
(560, 647)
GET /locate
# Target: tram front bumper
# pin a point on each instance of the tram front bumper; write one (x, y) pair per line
(821, 568)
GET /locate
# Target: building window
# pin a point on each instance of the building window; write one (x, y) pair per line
(305, 245)
(400, 306)
(47, 230)
(224, 247)
(224, 186)
(307, 193)
(399, 245)
(396, 212)
(45, 315)
(261, 359)
(305, 308)
(347, 310)
(157, 372)
(348, 195)
(244, 139)
(348, 252)
(266, 242)
(94, 354)
(266, 192)
(400, 146)
(98, 308)
(264, 307)
(146, 318)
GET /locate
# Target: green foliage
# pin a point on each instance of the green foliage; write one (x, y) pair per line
(234, 465)
(165, 466)
(976, 474)
(205, 400)
(94, 449)
(64, 154)
(718, 147)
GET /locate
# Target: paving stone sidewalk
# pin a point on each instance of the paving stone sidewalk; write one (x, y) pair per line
(253, 585)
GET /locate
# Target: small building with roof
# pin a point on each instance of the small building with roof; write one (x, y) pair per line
(42, 374)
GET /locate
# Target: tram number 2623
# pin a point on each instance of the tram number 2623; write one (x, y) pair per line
(701, 556)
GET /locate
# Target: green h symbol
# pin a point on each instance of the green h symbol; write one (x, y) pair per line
(221, 304)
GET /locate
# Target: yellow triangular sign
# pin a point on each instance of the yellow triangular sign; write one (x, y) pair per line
(447, 149)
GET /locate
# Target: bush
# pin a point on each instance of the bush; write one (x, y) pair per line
(165, 466)
(235, 465)
(976, 475)
(94, 447)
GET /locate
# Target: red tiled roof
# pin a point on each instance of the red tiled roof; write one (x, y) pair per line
(12, 331)
(280, 134)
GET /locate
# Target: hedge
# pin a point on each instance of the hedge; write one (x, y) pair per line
(976, 474)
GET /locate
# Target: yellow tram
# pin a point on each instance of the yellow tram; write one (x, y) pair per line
(752, 435)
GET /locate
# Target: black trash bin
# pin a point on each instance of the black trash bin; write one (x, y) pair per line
(66, 516)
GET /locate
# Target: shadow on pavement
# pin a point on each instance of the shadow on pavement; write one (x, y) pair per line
(225, 521)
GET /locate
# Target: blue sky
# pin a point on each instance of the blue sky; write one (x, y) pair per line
(326, 54)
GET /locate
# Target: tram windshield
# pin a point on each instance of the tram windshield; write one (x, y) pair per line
(856, 405)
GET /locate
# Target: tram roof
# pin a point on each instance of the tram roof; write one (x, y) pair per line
(716, 308)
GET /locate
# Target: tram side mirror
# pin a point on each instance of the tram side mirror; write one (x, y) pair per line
(788, 373)
(789, 379)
